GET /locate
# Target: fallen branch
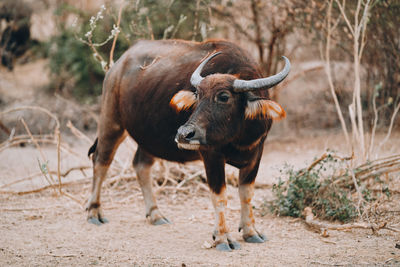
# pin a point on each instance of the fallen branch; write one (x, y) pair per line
(4, 128)
(46, 140)
(324, 156)
(30, 177)
(392, 229)
(190, 178)
(262, 186)
(37, 190)
(370, 170)
(117, 178)
(322, 227)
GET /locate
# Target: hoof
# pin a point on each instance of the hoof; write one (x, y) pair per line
(234, 245)
(94, 221)
(223, 247)
(161, 221)
(231, 245)
(259, 238)
(226, 243)
(97, 221)
(104, 220)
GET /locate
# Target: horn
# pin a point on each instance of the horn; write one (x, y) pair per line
(196, 78)
(262, 83)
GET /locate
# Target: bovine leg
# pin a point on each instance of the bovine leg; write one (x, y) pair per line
(142, 164)
(215, 168)
(247, 177)
(107, 144)
(247, 222)
(110, 135)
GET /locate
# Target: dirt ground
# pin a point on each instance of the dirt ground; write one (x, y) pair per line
(44, 229)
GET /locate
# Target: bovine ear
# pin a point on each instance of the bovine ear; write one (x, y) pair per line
(258, 108)
(183, 100)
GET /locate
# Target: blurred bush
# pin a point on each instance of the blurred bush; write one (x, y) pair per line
(73, 67)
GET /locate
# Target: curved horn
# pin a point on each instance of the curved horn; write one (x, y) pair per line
(196, 78)
(264, 83)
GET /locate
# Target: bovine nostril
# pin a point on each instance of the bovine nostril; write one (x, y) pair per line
(185, 133)
(190, 135)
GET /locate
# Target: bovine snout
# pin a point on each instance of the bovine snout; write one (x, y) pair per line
(190, 137)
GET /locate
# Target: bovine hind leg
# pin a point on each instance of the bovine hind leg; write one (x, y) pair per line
(215, 169)
(142, 164)
(105, 148)
(247, 177)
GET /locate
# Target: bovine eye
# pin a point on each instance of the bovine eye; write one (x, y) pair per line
(223, 97)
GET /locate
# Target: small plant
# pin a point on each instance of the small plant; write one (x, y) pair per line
(313, 188)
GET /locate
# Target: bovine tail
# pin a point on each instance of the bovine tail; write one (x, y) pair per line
(92, 149)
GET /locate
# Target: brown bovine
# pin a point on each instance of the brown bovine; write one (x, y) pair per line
(183, 101)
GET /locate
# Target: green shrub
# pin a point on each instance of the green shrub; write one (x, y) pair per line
(73, 67)
(313, 188)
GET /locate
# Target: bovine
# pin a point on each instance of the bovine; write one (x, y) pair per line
(183, 101)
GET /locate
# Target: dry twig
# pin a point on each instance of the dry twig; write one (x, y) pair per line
(371, 169)
(111, 61)
(4, 128)
(41, 153)
(78, 133)
(322, 227)
(330, 29)
(30, 177)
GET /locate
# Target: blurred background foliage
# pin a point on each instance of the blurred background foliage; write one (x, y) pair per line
(380, 58)
(74, 69)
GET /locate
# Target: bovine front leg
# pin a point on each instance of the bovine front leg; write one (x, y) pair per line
(215, 169)
(247, 222)
(247, 176)
(223, 240)
(142, 163)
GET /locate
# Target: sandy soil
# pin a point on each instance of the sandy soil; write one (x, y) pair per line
(44, 229)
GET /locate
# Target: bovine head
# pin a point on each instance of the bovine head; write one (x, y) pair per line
(221, 104)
